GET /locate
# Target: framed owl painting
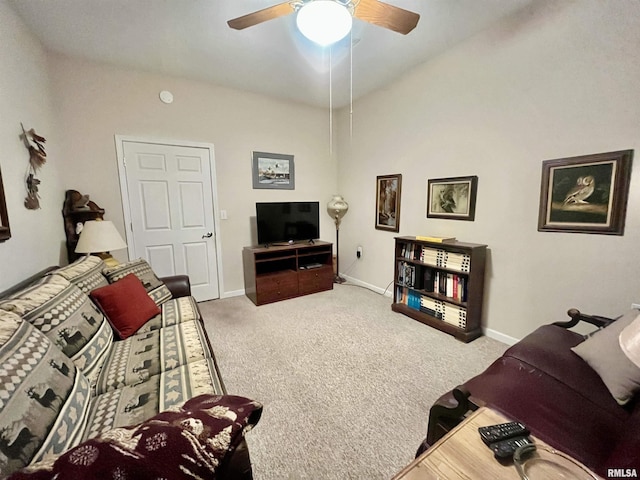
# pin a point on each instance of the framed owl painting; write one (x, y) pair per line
(586, 194)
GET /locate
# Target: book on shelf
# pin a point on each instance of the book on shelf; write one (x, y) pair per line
(406, 274)
(444, 283)
(444, 259)
(451, 314)
(429, 280)
(435, 239)
(413, 300)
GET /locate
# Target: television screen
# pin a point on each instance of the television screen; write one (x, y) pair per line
(287, 221)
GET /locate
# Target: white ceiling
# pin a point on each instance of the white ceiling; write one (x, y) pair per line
(190, 38)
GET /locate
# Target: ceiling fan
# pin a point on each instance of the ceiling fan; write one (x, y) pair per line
(371, 11)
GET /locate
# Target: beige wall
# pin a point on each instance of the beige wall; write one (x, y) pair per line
(37, 239)
(558, 82)
(94, 102)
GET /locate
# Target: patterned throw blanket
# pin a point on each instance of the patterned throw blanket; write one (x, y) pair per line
(190, 441)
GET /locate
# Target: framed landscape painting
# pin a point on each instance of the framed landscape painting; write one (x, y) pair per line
(273, 170)
(388, 190)
(452, 198)
(586, 194)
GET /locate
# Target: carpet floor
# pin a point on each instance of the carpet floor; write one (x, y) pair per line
(346, 383)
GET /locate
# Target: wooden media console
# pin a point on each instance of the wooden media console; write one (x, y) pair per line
(278, 272)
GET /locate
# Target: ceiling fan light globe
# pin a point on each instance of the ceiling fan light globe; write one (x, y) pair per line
(324, 21)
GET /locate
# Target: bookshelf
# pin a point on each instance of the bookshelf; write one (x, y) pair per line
(440, 284)
(279, 272)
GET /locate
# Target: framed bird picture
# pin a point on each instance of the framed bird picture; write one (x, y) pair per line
(273, 170)
(586, 194)
(452, 198)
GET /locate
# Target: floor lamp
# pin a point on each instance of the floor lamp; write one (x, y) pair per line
(337, 208)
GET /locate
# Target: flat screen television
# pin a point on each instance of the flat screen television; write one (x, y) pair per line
(287, 222)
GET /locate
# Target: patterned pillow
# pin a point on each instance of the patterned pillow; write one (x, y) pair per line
(85, 273)
(191, 441)
(44, 403)
(156, 289)
(68, 317)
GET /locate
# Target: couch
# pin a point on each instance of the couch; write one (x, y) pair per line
(81, 387)
(577, 393)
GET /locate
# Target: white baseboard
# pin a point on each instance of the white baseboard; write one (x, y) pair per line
(355, 281)
(501, 337)
(233, 293)
(489, 332)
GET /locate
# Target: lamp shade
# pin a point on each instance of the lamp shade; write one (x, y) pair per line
(324, 21)
(337, 208)
(630, 341)
(99, 236)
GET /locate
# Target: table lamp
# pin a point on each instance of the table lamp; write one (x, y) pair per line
(630, 341)
(100, 237)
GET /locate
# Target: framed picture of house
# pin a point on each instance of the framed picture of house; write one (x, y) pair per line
(388, 192)
(273, 170)
(5, 231)
(452, 198)
(585, 194)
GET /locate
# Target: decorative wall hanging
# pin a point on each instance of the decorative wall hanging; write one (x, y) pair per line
(388, 191)
(585, 194)
(452, 198)
(37, 158)
(273, 170)
(5, 231)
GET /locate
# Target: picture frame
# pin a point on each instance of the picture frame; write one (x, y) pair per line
(388, 193)
(5, 230)
(585, 194)
(452, 198)
(273, 171)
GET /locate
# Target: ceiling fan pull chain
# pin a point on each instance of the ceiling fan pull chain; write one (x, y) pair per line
(351, 85)
(330, 102)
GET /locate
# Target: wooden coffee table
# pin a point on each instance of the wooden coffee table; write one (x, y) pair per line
(461, 454)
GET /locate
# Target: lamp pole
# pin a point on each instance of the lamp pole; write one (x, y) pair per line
(337, 278)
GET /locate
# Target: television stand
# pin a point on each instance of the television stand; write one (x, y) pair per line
(280, 272)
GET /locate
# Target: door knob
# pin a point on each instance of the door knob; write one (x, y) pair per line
(207, 235)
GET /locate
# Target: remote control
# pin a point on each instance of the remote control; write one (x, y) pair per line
(502, 431)
(505, 449)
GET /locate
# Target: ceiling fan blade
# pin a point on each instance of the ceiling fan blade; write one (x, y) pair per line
(387, 16)
(260, 16)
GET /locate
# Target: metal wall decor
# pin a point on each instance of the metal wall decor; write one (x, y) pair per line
(37, 158)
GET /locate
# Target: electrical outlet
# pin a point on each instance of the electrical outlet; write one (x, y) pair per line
(359, 252)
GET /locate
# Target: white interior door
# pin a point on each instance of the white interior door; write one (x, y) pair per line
(170, 193)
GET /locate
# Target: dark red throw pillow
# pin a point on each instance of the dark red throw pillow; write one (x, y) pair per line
(126, 305)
